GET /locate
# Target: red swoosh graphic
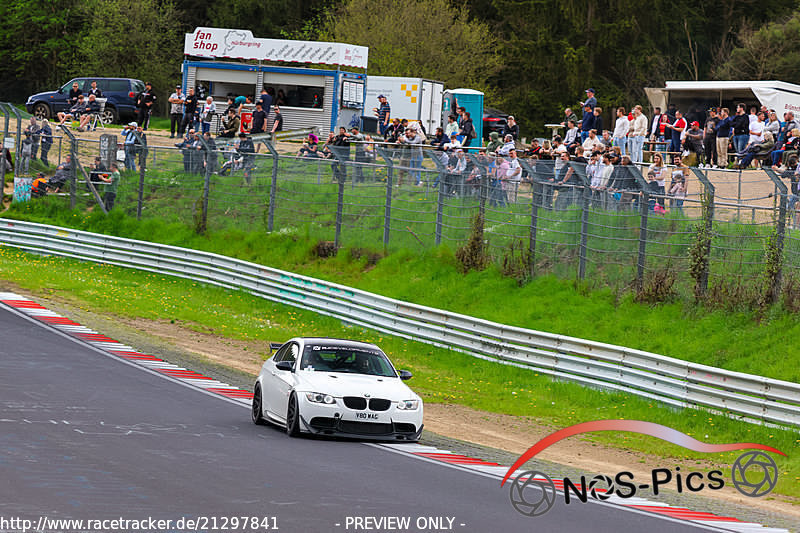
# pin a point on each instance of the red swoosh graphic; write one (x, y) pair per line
(634, 426)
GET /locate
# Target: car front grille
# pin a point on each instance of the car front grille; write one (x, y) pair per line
(364, 428)
(354, 402)
(379, 404)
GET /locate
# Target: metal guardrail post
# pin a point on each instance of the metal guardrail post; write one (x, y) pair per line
(273, 188)
(708, 216)
(387, 211)
(780, 233)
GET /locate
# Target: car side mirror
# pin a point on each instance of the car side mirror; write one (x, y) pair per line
(405, 374)
(285, 365)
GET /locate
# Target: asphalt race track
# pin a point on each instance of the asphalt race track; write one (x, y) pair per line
(85, 435)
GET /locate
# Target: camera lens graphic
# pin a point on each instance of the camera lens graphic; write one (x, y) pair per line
(539, 496)
(754, 474)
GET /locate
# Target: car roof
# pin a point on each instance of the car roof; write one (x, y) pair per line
(336, 342)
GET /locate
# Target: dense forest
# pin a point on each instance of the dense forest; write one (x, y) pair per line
(531, 57)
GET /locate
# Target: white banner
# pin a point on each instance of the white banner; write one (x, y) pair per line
(240, 44)
(779, 100)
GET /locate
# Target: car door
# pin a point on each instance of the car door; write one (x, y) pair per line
(280, 381)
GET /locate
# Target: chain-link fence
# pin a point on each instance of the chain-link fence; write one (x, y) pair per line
(560, 217)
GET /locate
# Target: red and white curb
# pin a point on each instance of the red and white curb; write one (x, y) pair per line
(430, 453)
(107, 344)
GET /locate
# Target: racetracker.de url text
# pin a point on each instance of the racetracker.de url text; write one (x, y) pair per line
(44, 524)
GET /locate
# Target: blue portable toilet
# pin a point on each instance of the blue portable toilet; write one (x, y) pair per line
(472, 101)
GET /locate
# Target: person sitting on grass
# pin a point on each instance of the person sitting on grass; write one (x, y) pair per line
(310, 147)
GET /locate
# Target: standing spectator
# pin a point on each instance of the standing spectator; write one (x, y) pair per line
(259, 123)
(773, 125)
(598, 118)
(723, 132)
(657, 131)
(637, 134)
(710, 139)
(112, 182)
(741, 129)
(36, 135)
(587, 123)
(176, 101)
(591, 101)
(513, 176)
(277, 123)
(47, 140)
(467, 129)
(207, 115)
(189, 110)
(621, 130)
(384, 114)
(693, 141)
(451, 127)
(606, 140)
(130, 146)
(358, 139)
(186, 150)
(512, 128)
(677, 128)
(246, 148)
(414, 141)
(280, 98)
(74, 93)
(25, 154)
(144, 103)
(266, 102)
(678, 186)
(756, 131)
(95, 90)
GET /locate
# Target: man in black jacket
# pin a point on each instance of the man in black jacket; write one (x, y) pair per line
(144, 104)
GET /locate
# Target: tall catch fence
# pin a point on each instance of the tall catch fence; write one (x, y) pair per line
(547, 219)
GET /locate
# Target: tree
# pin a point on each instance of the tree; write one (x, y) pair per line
(36, 45)
(769, 52)
(419, 38)
(134, 39)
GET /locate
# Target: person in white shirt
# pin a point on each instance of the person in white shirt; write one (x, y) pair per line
(621, 130)
(513, 176)
(452, 126)
(637, 134)
(592, 142)
(756, 131)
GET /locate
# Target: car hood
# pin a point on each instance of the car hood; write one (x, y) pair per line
(342, 384)
(39, 96)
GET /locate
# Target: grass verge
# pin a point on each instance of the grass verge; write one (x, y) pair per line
(440, 375)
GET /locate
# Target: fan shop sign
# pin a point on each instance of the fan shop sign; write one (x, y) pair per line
(240, 44)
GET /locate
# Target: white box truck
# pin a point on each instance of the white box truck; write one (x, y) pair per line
(410, 98)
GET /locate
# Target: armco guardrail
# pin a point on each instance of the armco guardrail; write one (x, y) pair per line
(670, 381)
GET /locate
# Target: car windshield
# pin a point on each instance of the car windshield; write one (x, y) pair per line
(346, 359)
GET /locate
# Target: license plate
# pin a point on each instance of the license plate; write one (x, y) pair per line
(367, 416)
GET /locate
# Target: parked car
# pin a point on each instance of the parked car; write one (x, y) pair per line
(493, 120)
(119, 92)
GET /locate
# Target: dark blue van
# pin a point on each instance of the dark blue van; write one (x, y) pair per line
(119, 92)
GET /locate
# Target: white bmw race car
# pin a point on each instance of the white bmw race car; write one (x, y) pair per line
(336, 387)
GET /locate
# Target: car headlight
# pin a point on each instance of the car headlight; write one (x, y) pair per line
(408, 405)
(318, 397)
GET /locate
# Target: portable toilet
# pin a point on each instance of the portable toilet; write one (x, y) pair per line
(472, 101)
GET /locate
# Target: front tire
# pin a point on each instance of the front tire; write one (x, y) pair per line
(257, 413)
(293, 417)
(41, 111)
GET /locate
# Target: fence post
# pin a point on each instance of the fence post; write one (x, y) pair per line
(142, 170)
(6, 115)
(644, 212)
(534, 219)
(708, 219)
(73, 183)
(580, 171)
(273, 189)
(442, 169)
(780, 233)
(339, 210)
(387, 212)
(17, 144)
